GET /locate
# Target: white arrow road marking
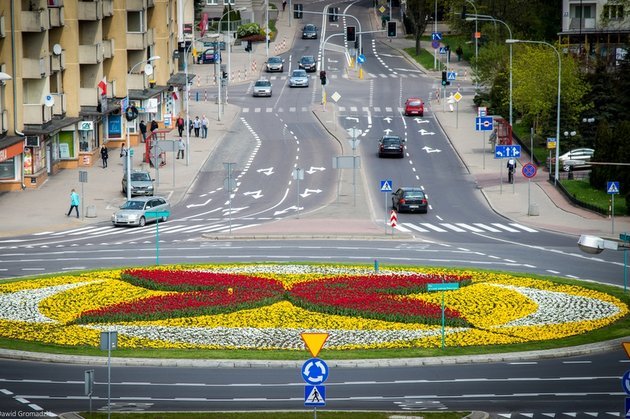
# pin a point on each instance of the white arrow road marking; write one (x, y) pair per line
(308, 192)
(315, 169)
(387, 131)
(199, 205)
(284, 211)
(421, 121)
(431, 150)
(351, 118)
(424, 132)
(388, 119)
(227, 211)
(268, 171)
(254, 194)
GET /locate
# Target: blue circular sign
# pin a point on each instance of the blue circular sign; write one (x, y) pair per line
(625, 382)
(314, 371)
(435, 44)
(529, 170)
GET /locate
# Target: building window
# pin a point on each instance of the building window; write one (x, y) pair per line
(212, 2)
(613, 12)
(135, 22)
(7, 169)
(230, 2)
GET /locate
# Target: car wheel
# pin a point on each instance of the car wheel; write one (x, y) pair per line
(142, 222)
(163, 219)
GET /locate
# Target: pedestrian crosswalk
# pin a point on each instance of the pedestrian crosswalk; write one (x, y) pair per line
(372, 110)
(464, 228)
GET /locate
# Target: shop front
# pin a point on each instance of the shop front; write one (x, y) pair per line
(11, 158)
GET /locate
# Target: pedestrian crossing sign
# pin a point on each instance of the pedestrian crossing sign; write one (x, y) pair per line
(386, 185)
(612, 187)
(314, 395)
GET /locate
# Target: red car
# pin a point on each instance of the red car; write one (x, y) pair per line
(414, 106)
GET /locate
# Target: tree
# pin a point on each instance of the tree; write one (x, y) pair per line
(604, 152)
(416, 15)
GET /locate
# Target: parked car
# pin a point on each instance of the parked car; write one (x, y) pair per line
(410, 199)
(209, 56)
(414, 106)
(274, 64)
(309, 31)
(299, 78)
(141, 210)
(308, 63)
(141, 183)
(578, 156)
(262, 87)
(391, 145)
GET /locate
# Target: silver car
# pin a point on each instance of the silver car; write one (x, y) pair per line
(299, 78)
(262, 87)
(275, 64)
(141, 210)
(141, 183)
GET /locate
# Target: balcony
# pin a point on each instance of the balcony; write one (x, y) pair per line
(90, 54)
(4, 121)
(36, 114)
(137, 81)
(137, 40)
(58, 62)
(55, 16)
(36, 21)
(108, 8)
(59, 107)
(136, 5)
(90, 10)
(108, 48)
(88, 96)
(36, 68)
(2, 27)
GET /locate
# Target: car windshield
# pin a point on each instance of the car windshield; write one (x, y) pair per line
(133, 205)
(308, 60)
(140, 177)
(414, 194)
(309, 28)
(274, 60)
(391, 140)
(415, 103)
(299, 73)
(263, 83)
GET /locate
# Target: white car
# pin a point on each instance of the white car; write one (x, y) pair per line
(575, 157)
(262, 87)
(141, 210)
(299, 78)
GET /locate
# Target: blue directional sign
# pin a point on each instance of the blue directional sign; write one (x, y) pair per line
(507, 151)
(314, 395)
(386, 185)
(612, 188)
(451, 75)
(314, 371)
(361, 59)
(436, 36)
(443, 50)
(483, 123)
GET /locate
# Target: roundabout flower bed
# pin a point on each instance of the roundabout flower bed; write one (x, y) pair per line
(268, 306)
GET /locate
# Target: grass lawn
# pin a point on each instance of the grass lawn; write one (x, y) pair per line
(583, 191)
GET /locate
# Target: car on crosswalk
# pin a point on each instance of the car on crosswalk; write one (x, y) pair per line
(142, 210)
(410, 199)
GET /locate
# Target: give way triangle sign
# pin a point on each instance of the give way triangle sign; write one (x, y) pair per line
(314, 342)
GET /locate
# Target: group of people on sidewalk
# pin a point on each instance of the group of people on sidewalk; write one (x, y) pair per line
(200, 126)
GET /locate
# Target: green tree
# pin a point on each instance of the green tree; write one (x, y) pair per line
(416, 14)
(604, 152)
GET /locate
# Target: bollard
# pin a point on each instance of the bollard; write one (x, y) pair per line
(375, 265)
(196, 96)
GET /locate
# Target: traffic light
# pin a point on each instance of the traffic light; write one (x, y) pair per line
(391, 29)
(445, 82)
(297, 10)
(322, 77)
(351, 34)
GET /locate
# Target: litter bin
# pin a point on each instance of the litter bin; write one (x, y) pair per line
(91, 211)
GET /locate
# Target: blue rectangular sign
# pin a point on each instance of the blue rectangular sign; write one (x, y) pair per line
(451, 75)
(483, 123)
(444, 286)
(314, 395)
(436, 36)
(386, 185)
(507, 151)
(612, 188)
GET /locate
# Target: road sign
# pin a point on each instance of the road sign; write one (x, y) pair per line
(627, 407)
(393, 218)
(314, 395)
(457, 96)
(482, 111)
(361, 59)
(551, 143)
(612, 188)
(436, 36)
(483, 123)
(386, 185)
(625, 382)
(435, 44)
(450, 75)
(443, 286)
(443, 50)
(507, 151)
(529, 170)
(626, 347)
(314, 371)
(314, 342)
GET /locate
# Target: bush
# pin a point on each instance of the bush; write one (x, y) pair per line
(249, 29)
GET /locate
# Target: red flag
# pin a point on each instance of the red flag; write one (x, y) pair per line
(203, 24)
(174, 95)
(103, 86)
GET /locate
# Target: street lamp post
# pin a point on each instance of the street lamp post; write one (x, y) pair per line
(514, 41)
(595, 245)
(476, 46)
(229, 49)
(128, 157)
(477, 17)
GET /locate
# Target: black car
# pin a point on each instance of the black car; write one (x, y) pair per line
(309, 31)
(308, 63)
(410, 199)
(391, 145)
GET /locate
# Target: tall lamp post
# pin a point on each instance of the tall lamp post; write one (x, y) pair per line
(477, 17)
(594, 245)
(128, 157)
(514, 41)
(476, 45)
(229, 47)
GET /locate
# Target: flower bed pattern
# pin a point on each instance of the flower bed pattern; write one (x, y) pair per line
(267, 306)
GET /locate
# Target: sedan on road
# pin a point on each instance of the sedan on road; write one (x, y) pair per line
(309, 31)
(410, 199)
(274, 64)
(308, 63)
(391, 145)
(141, 210)
(262, 87)
(141, 183)
(299, 78)
(414, 106)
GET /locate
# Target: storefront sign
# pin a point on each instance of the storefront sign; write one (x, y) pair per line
(11, 151)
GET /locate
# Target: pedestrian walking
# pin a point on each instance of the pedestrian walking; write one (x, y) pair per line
(154, 125)
(190, 127)
(197, 125)
(459, 51)
(284, 5)
(180, 125)
(74, 203)
(204, 127)
(181, 146)
(123, 156)
(104, 155)
(143, 130)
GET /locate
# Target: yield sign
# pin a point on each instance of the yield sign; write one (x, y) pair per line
(626, 346)
(314, 342)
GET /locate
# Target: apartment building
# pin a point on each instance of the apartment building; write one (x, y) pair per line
(65, 68)
(594, 30)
